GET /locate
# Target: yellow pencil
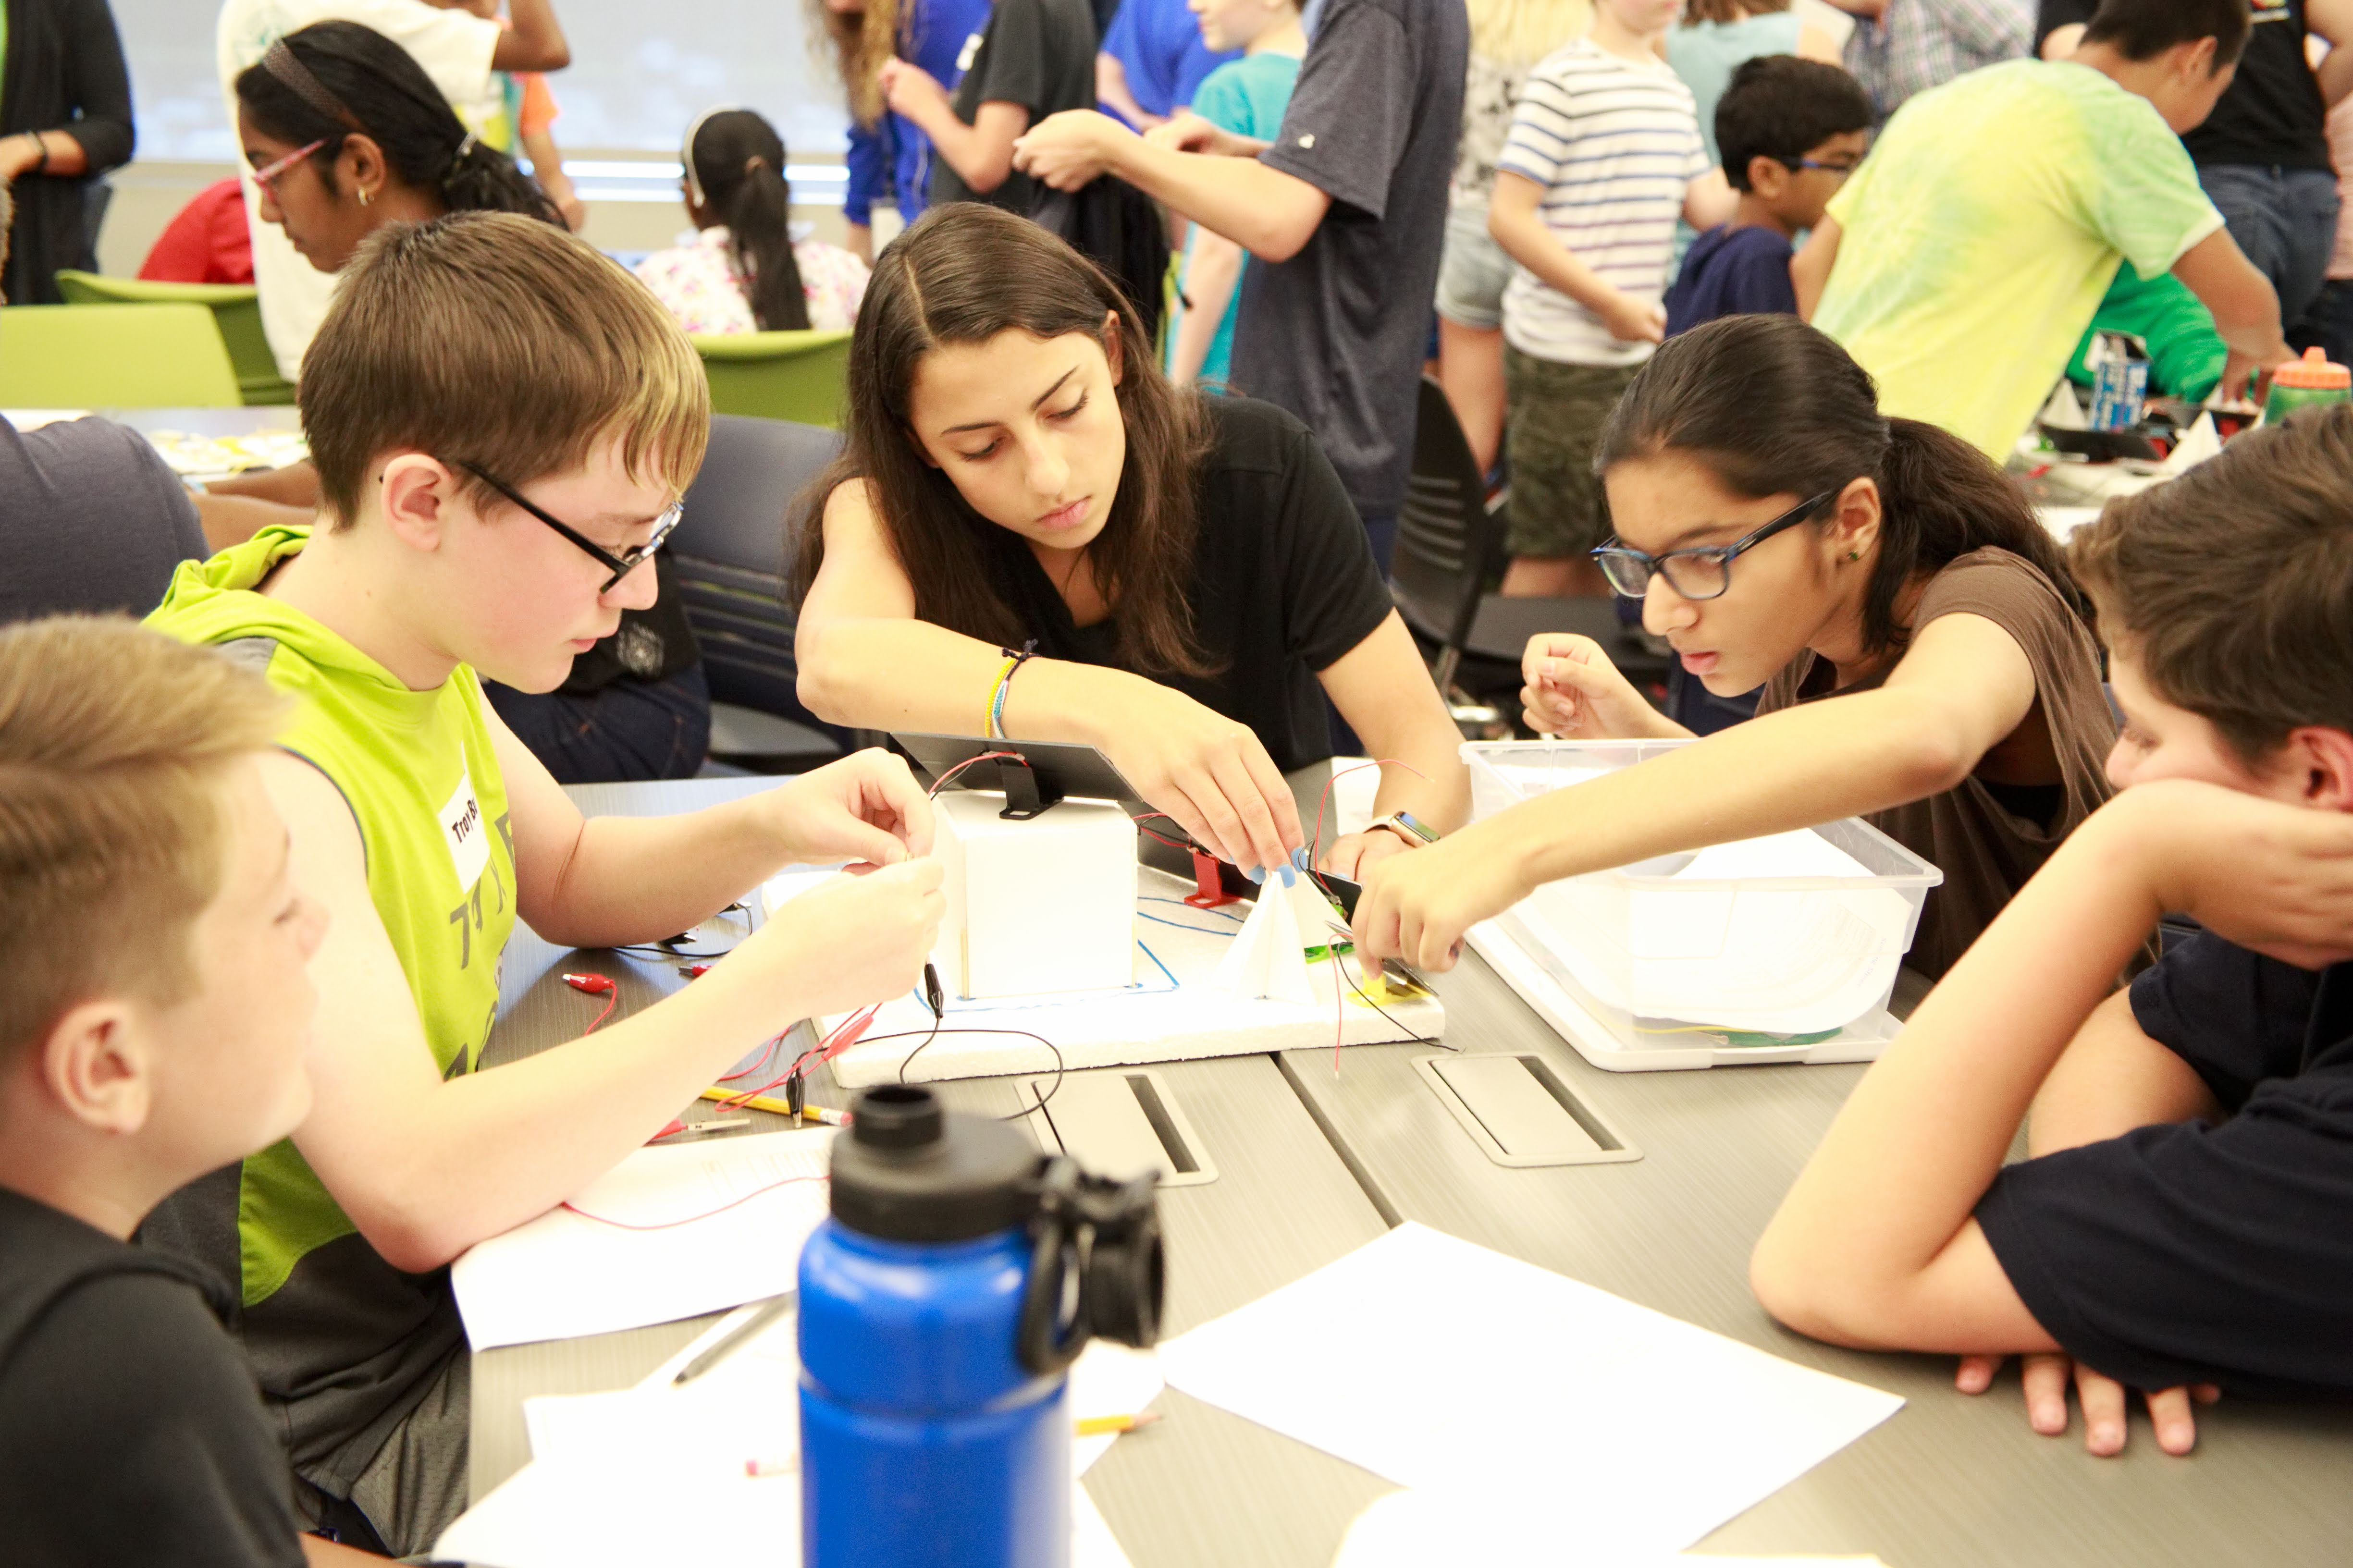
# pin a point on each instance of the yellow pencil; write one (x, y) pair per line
(1110, 1426)
(818, 1113)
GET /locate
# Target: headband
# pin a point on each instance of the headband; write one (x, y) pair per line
(280, 62)
(686, 153)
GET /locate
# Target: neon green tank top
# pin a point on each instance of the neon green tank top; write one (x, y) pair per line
(418, 772)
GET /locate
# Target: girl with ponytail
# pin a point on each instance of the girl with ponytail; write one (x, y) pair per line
(744, 272)
(1926, 660)
(345, 133)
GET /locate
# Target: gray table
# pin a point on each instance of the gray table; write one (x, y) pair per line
(1950, 1480)
(1203, 1486)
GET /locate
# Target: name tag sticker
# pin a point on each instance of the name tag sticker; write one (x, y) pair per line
(467, 833)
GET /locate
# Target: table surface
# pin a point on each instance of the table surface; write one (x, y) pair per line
(1312, 1166)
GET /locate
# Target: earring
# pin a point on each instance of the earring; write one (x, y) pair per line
(1854, 555)
(365, 198)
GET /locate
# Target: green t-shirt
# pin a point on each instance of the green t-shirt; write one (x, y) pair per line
(1981, 232)
(2186, 354)
(343, 1342)
(1247, 96)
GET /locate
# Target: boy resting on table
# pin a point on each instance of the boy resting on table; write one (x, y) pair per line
(2184, 1225)
(503, 421)
(153, 1026)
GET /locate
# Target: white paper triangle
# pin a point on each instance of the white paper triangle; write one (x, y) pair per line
(1268, 958)
(2197, 444)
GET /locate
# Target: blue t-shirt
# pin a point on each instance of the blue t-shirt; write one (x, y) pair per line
(1247, 96)
(1732, 271)
(2186, 1253)
(1158, 43)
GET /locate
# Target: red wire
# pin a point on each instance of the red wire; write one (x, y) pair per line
(1360, 767)
(942, 782)
(690, 1219)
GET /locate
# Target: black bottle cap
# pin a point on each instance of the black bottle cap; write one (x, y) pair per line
(909, 1169)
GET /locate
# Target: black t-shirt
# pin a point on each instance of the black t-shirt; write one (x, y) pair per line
(2188, 1253)
(2271, 113)
(1337, 334)
(92, 521)
(1283, 583)
(130, 1430)
(1039, 54)
(649, 645)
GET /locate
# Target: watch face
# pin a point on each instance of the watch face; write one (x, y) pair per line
(1409, 823)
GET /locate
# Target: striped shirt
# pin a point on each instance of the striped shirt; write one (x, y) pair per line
(1615, 146)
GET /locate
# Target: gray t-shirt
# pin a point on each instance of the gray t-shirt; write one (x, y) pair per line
(91, 522)
(1337, 334)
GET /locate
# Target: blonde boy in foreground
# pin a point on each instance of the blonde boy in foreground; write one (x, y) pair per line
(154, 1026)
(2184, 1224)
(503, 421)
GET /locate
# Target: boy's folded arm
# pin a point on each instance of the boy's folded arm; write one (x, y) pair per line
(1876, 1242)
(535, 42)
(2112, 1078)
(425, 1167)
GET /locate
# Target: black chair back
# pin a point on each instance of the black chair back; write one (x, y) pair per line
(732, 553)
(1448, 539)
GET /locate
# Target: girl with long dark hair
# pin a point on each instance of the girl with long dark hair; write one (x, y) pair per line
(744, 272)
(1020, 478)
(1925, 659)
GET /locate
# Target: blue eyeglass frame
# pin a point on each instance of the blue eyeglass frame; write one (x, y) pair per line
(1722, 555)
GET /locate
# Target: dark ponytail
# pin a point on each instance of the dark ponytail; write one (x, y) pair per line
(737, 161)
(1773, 407)
(333, 79)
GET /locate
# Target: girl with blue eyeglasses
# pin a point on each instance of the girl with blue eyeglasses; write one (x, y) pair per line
(1926, 661)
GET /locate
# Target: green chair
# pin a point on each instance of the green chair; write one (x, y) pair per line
(113, 356)
(778, 375)
(236, 308)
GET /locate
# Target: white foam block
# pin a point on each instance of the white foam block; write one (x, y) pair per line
(1037, 906)
(1172, 1013)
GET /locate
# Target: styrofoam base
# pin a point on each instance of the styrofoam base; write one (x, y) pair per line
(1861, 1041)
(1173, 1015)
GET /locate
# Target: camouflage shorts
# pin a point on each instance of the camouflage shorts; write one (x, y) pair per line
(1555, 416)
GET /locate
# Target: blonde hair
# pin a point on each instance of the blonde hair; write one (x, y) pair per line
(488, 339)
(114, 740)
(1519, 33)
(861, 40)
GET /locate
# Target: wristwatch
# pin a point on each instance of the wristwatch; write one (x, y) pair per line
(1408, 826)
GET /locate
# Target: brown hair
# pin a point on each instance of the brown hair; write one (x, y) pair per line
(1698, 11)
(1771, 406)
(113, 743)
(490, 339)
(861, 39)
(2232, 585)
(963, 274)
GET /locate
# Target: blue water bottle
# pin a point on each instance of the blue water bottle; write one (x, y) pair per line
(959, 1275)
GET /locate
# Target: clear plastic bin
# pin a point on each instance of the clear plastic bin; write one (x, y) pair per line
(1668, 957)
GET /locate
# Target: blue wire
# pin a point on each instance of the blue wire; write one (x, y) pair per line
(1221, 914)
(1180, 925)
(1155, 957)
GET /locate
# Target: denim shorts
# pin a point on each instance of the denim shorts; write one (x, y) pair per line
(1472, 270)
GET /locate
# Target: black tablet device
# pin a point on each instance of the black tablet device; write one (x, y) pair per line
(1033, 777)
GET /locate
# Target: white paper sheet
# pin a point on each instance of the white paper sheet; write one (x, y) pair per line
(1418, 1528)
(564, 1275)
(1646, 1431)
(657, 1473)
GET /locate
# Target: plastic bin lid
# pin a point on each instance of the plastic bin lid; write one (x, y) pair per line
(2313, 373)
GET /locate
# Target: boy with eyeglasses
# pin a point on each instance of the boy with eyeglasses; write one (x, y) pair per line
(503, 421)
(1964, 259)
(1788, 132)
